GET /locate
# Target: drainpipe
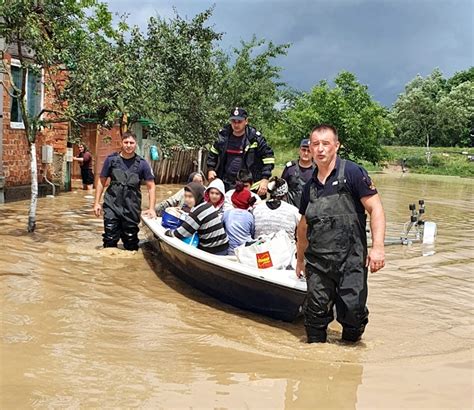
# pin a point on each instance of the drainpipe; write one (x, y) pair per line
(2, 176)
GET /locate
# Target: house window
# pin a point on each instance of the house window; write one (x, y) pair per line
(34, 95)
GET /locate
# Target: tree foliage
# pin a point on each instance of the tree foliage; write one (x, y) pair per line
(44, 35)
(435, 111)
(362, 123)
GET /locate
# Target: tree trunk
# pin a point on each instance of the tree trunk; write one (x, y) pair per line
(34, 189)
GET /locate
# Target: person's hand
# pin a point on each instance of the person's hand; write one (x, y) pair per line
(211, 175)
(97, 209)
(150, 213)
(376, 259)
(263, 188)
(300, 269)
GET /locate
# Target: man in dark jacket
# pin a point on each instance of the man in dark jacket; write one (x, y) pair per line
(297, 173)
(240, 146)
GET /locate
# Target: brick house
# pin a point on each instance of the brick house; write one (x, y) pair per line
(15, 175)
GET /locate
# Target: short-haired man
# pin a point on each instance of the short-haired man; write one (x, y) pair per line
(240, 146)
(122, 174)
(298, 173)
(332, 241)
(85, 162)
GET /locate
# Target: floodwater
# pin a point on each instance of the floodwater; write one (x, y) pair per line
(87, 327)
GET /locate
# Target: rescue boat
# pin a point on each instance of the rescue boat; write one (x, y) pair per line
(271, 292)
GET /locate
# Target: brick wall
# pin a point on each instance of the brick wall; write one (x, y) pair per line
(16, 158)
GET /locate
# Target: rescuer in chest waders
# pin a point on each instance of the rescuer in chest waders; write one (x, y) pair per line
(332, 241)
(298, 173)
(122, 174)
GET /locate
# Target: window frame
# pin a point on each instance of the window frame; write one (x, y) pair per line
(20, 125)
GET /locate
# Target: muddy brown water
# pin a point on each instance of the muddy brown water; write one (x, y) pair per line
(87, 327)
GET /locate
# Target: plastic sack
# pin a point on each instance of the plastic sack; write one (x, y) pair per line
(269, 251)
(154, 155)
(192, 240)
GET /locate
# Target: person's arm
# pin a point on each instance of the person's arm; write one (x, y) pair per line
(211, 163)
(101, 184)
(150, 212)
(376, 256)
(173, 201)
(301, 245)
(78, 159)
(265, 152)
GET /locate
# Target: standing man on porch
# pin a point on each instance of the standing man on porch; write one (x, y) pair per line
(122, 173)
(332, 241)
(240, 146)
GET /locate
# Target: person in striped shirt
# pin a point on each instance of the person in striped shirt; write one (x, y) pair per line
(206, 221)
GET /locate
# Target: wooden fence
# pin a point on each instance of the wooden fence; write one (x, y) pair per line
(177, 166)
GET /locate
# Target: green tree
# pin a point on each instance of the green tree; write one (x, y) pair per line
(44, 34)
(249, 78)
(435, 111)
(361, 122)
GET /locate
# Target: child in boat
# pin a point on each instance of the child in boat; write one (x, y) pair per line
(215, 195)
(246, 178)
(205, 220)
(177, 200)
(275, 214)
(239, 222)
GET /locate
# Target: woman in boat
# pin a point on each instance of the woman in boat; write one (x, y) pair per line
(275, 214)
(239, 222)
(206, 221)
(177, 200)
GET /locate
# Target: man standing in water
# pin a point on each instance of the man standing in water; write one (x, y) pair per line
(85, 162)
(332, 241)
(122, 173)
(240, 146)
(298, 173)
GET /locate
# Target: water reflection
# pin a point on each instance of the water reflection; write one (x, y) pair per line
(82, 326)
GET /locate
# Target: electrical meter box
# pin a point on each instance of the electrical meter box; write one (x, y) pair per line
(69, 155)
(47, 154)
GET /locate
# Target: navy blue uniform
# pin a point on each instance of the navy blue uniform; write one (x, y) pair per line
(123, 199)
(337, 251)
(296, 177)
(357, 179)
(227, 155)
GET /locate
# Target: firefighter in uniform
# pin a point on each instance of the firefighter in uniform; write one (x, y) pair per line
(240, 146)
(298, 173)
(122, 174)
(332, 241)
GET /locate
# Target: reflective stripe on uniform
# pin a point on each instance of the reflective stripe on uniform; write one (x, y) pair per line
(267, 161)
(213, 150)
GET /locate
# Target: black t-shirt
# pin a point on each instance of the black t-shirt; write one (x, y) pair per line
(234, 154)
(357, 180)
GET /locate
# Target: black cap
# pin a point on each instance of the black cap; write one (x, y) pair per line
(304, 142)
(238, 113)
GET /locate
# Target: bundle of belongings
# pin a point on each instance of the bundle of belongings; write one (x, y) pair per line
(275, 251)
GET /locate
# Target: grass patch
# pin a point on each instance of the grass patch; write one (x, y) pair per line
(444, 160)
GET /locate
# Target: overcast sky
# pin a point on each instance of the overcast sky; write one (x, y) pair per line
(385, 43)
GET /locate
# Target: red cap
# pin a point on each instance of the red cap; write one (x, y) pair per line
(241, 198)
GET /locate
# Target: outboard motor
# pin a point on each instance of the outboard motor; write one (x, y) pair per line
(418, 230)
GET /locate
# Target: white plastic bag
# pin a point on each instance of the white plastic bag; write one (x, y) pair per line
(270, 251)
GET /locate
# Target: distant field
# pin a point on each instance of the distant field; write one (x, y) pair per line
(444, 160)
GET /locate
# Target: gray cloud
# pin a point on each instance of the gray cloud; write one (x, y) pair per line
(385, 43)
